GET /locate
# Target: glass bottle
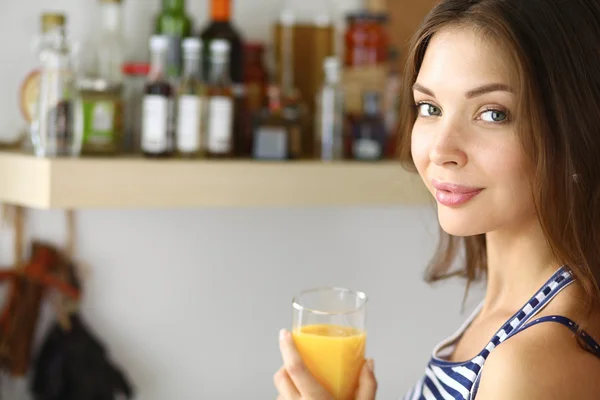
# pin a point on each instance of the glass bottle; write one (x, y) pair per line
(102, 87)
(221, 26)
(330, 114)
(157, 132)
(368, 130)
(175, 24)
(293, 108)
(57, 132)
(191, 107)
(256, 79)
(220, 102)
(274, 134)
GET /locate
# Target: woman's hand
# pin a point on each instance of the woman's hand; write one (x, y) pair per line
(295, 382)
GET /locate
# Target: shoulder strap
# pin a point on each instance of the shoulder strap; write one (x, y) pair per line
(592, 346)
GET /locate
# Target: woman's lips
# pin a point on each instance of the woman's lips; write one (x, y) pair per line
(454, 195)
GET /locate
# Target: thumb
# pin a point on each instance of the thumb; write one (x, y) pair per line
(367, 384)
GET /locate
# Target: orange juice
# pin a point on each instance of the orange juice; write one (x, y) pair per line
(334, 354)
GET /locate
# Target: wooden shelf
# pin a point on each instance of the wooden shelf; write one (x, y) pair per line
(141, 183)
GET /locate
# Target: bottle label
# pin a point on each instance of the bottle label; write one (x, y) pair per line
(173, 67)
(60, 126)
(101, 122)
(220, 124)
(271, 142)
(367, 149)
(155, 138)
(189, 123)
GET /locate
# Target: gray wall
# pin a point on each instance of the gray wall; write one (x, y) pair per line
(190, 302)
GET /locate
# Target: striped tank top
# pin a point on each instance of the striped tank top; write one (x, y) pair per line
(446, 380)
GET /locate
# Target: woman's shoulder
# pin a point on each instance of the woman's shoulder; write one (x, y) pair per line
(543, 361)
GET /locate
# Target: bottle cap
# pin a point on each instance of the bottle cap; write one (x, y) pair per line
(52, 20)
(220, 10)
(136, 69)
(331, 64)
(159, 42)
(287, 18)
(191, 44)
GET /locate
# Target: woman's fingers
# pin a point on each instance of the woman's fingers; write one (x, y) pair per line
(285, 387)
(367, 383)
(305, 383)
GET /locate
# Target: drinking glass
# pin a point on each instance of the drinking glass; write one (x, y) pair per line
(329, 331)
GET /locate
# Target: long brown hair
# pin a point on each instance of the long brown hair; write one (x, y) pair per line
(555, 48)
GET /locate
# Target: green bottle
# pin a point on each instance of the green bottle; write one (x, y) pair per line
(174, 23)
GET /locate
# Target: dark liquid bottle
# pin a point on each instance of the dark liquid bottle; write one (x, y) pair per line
(368, 131)
(174, 23)
(157, 110)
(221, 27)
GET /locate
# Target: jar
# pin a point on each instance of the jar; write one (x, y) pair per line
(102, 115)
(134, 85)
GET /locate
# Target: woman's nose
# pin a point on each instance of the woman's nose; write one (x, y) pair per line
(446, 150)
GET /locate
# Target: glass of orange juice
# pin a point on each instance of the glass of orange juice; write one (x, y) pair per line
(329, 331)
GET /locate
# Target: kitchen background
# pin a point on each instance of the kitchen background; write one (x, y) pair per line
(190, 302)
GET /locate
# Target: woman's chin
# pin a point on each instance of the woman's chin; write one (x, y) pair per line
(461, 225)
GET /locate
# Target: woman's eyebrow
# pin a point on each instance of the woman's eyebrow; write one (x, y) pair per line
(481, 90)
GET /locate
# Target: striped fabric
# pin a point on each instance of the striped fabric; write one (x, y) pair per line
(460, 380)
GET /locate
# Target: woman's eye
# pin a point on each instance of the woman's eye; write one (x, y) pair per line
(495, 116)
(428, 110)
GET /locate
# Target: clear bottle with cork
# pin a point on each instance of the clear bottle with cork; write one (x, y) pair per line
(330, 116)
(57, 132)
(220, 102)
(192, 102)
(157, 110)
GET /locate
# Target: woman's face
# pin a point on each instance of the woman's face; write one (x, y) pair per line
(464, 142)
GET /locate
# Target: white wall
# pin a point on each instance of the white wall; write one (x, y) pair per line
(190, 302)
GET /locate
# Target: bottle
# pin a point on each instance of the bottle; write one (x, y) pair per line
(102, 87)
(368, 131)
(330, 114)
(57, 130)
(220, 102)
(256, 79)
(191, 108)
(157, 132)
(221, 27)
(175, 24)
(274, 135)
(30, 87)
(293, 108)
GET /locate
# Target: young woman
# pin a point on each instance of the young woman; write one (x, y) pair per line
(505, 132)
